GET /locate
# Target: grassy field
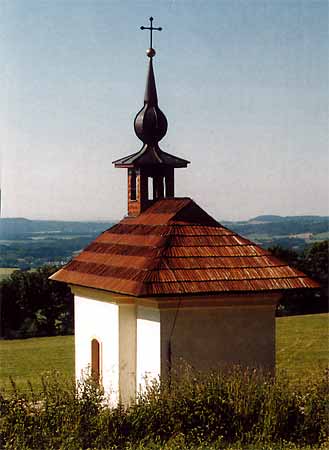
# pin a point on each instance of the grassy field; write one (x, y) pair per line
(27, 359)
(302, 346)
(302, 352)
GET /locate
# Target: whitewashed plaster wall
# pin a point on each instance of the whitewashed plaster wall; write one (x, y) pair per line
(148, 345)
(98, 320)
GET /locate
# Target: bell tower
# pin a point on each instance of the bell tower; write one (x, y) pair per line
(150, 170)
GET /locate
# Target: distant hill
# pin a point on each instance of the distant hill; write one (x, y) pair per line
(21, 227)
(27, 244)
(284, 227)
(290, 231)
(274, 218)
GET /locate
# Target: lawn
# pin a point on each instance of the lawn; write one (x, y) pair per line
(27, 359)
(302, 352)
(302, 346)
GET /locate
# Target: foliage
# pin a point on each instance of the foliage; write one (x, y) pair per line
(314, 262)
(33, 305)
(236, 409)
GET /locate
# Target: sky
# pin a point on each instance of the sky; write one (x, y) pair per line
(243, 84)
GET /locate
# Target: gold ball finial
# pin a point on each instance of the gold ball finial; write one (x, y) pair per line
(150, 52)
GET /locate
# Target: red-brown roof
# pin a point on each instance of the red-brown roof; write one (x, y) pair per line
(175, 247)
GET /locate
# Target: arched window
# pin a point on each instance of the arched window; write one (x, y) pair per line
(95, 360)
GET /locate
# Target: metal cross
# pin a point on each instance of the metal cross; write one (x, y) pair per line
(151, 28)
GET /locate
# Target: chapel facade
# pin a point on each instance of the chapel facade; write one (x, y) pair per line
(169, 284)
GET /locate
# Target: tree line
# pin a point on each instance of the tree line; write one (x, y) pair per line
(32, 305)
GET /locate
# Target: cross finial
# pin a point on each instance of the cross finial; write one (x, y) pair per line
(151, 28)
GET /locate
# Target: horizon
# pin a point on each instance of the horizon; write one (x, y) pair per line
(117, 220)
(246, 99)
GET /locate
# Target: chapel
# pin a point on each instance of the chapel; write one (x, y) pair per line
(169, 284)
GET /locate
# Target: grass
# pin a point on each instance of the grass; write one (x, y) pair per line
(302, 346)
(302, 352)
(26, 359)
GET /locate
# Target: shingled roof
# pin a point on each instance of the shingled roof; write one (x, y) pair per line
(175, 247)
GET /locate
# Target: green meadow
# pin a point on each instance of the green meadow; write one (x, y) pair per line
(302, 352)
(302, 346)
(26, 359)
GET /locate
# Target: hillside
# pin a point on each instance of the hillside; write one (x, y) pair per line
(27, 244)
(290, 232)
(15, 228)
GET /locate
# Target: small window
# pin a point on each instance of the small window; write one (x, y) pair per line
(95, 360)
(133, 190)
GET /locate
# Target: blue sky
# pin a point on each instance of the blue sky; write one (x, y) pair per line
(244, 86)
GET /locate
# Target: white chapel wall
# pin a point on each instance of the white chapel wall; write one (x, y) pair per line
(148, 345)
(98, 320)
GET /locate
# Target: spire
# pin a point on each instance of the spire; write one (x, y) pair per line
(150, 96)
(150, 123)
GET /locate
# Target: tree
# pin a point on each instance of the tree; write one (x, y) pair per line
(313, 261)
(33, 305)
